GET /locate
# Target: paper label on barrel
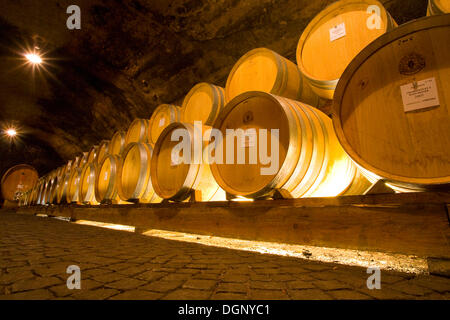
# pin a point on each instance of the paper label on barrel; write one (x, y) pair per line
(248, 140)
(162, 121)
(420, 95)
(337, 32)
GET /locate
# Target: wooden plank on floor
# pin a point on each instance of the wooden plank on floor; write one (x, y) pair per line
(414, 224)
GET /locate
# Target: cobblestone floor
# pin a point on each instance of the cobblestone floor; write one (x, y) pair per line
(35, 252)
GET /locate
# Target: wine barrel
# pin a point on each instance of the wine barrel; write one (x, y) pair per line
(203, 103)
(163, 115)
(52, 183)
(117, 143)
(63, 186)
(103, 150)
(17, 180)
(75, 163)
(40, 192)
(87, 184)
(334, 37)
(92, 155)
(138, 131)
(134, 175)
(391, 108)
(264, 70)
(107, 179)
(179, 181)
(72, 194)
(311, 163)
(33, 195)
(436, 7)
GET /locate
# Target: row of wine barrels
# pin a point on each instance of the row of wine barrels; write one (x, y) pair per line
(309, 161)
(178, 181)
(335, 36)
(18, 180)
(402, 140)
(391, 108)
(265, 70)
(436, 7)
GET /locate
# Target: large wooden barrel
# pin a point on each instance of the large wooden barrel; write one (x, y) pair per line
(134, 175)
(73, 194)
(391, 109)
(177, 182)
(436, 7)
(87, 184)
(103, 150)
(17, 180)
(117, 143)
(107, 179)
(163, 115)
(203, 103)
(265, 70)
(137, 132)
(311, 163)
(335, 36)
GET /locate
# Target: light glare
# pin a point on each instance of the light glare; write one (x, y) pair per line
(11, 132)
(33, 58)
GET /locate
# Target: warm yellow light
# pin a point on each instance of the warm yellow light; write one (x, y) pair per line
(351, 257)
(11, 132)
(33, 58)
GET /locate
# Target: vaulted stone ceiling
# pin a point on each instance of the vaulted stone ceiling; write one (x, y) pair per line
(129, 57)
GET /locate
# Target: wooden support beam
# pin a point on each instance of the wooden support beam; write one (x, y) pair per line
(414, 223)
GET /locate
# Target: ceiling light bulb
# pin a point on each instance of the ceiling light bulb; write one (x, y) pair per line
(33, 58)
(11, 132)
